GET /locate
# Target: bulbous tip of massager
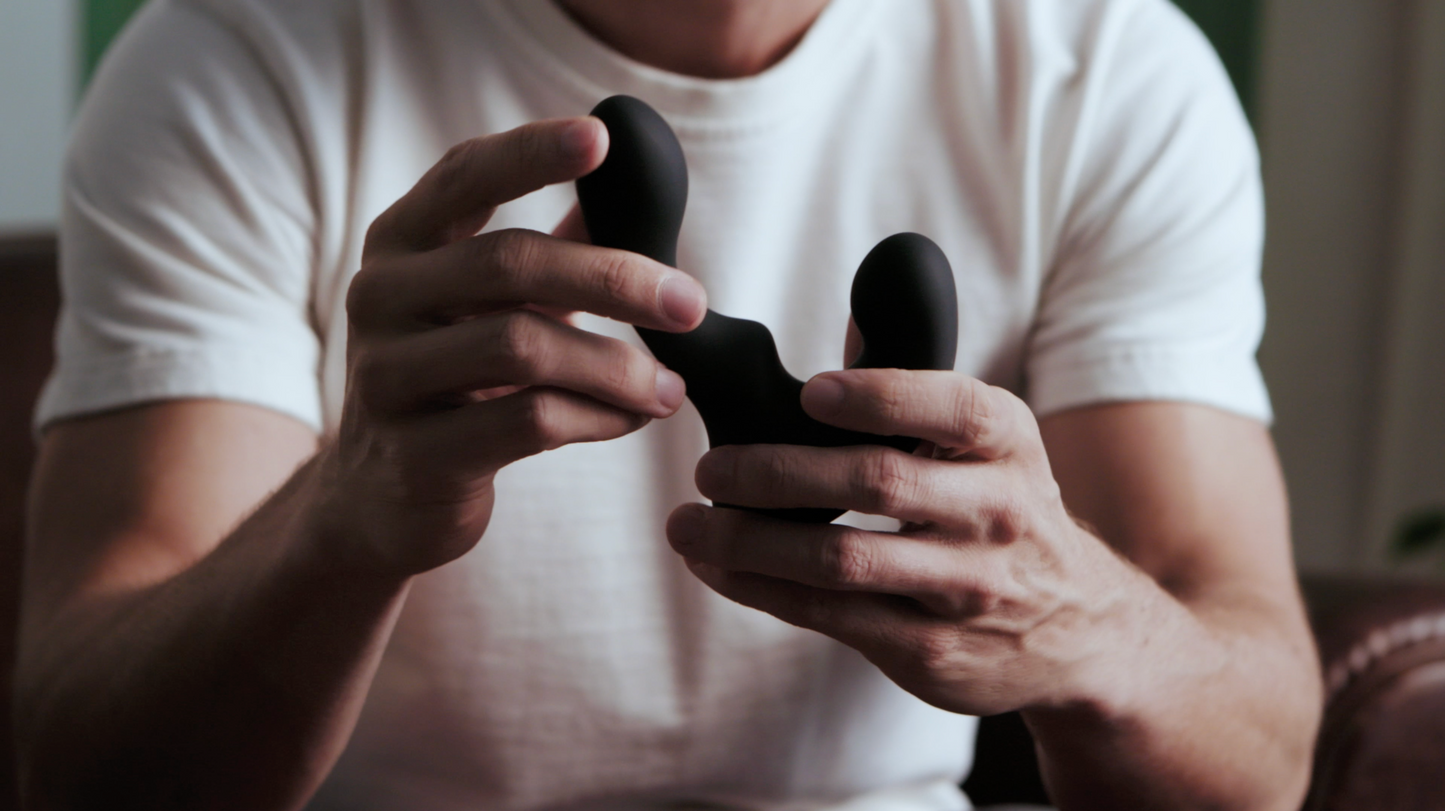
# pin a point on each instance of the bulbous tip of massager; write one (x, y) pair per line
(906, 306)
(635, 200)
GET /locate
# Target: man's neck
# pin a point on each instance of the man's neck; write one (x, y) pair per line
(714, 39)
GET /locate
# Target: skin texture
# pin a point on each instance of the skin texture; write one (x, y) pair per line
(209, 588)
(714, 39)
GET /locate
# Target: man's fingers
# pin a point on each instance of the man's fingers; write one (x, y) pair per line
(944, 577)
(488, 435)
(953, 411)
(504, 269)
(869, 479)
(516, 348)
(458, 195)
(861, 620)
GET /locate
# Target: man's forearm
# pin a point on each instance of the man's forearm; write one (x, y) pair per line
(189, 674)
(234, 684)
(1221, 714)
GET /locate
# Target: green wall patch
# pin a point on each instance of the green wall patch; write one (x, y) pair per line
(1233, 27)
(102, 20)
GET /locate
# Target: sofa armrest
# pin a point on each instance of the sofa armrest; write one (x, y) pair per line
(1382, 645)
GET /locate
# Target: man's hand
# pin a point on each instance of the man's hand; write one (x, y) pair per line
(992, 597)
(457, 365)
(180, 641)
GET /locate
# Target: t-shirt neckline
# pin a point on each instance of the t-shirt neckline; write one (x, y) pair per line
(692, 104)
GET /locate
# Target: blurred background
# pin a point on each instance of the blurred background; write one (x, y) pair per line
(1348, 100)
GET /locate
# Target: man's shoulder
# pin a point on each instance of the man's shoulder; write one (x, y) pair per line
(1071, 60)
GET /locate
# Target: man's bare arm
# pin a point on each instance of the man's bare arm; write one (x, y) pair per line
(1176, 675)
(168, 660)
(1194, 497)
(159, 661)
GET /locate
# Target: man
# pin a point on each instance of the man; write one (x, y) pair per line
(317, 512)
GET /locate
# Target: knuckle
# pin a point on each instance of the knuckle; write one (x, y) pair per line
(775, 469)
(892, 401)
(364, 296)
(510, 253)
(1006, 520)
(976, 414)
(848, 562)
(933, 652)
(452, 172)
(613, 277)
(377, 231)
(542, 421)
(986, 600)
(520, 347)
(629, 373)
(886, 482)
(983, 597)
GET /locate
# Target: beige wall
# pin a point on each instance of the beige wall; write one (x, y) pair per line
(37, 91)
(1340, 102)
(1409, 469)
(1357, 381)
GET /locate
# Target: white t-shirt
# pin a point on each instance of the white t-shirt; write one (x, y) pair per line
(1083, 164)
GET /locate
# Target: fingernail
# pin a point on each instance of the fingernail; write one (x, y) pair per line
(670, 388)
(684, 528)
(682, 299)
(576, 139)
(823, 395)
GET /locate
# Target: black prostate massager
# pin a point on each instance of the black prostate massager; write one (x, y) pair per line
(903, 300)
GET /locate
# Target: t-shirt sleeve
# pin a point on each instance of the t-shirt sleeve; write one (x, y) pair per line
(1154, 289)
(187, 231)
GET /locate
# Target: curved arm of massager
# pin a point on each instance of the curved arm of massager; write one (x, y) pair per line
(903, 300)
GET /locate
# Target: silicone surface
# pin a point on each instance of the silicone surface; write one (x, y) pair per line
(903, 301)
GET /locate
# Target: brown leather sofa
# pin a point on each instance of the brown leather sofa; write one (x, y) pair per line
(1382, 746)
